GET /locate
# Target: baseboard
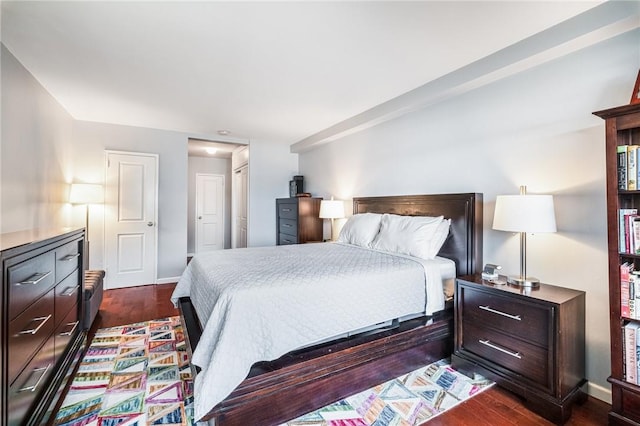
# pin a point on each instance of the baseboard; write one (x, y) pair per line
(170, 280)
(600, 392)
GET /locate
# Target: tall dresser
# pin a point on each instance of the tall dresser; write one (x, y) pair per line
(40, 326)
(298, 220)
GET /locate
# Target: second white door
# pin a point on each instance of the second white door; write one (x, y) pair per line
(209, 212)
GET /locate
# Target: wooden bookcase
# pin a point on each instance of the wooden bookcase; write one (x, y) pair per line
(622, 128)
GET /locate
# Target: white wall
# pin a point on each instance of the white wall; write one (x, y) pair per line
(271, 167)
(92, 139)
(535, 128)
(216, 166)
(36, 153)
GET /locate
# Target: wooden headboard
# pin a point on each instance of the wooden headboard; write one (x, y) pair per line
(464, 244)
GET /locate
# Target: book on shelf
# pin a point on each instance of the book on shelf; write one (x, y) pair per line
(625, 275)
(634, 282)
(623, 228)
(622, 166)
(630, 340)
(632, 169)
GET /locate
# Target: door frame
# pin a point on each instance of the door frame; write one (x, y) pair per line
(196, 209)
(108, 152)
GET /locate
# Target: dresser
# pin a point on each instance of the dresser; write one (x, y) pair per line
(297, 220)
(530, 342)
(41, 328)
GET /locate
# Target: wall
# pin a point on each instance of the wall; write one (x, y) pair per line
(92, 139)
(36, 153)
(535, 128)
(216, 166)
(271, 167)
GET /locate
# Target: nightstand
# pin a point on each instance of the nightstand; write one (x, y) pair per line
(530, 342)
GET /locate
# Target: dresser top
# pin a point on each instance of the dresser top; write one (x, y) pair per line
(11, 240)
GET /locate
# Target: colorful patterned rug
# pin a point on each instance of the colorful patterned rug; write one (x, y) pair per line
(139, 375)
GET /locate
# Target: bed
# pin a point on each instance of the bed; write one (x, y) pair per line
(312, 376)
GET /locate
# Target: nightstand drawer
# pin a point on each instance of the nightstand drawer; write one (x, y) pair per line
(512, 316)
(288, 226)
(520, 357)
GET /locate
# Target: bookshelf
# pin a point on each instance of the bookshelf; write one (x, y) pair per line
(622, 126)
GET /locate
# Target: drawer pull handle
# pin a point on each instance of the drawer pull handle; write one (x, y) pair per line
(35, 330)
(70, 332)
(35, 278)
(286, 210)
(498, 348)
(69, 291)
(37, 383)
(70, 257)
(287, 225)
(504, 314)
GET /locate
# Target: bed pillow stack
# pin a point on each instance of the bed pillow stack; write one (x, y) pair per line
(419, 236)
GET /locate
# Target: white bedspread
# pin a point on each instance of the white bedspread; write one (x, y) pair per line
(257, 304)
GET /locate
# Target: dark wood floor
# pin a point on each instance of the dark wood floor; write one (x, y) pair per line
(493, 407)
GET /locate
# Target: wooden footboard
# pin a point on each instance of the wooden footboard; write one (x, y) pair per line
(303, 381)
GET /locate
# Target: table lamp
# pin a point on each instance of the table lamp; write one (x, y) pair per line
(331, 209)
(524, 213)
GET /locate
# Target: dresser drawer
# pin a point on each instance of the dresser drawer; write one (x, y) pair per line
(512, 316)
(28, 332)
(67, 260)
(284, 239)
(287, 210)
(66, 295)
(288, 226)
(66, 331)
(29, 280)
(26, 389)
(520, 357)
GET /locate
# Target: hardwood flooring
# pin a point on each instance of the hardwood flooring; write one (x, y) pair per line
(495, 406)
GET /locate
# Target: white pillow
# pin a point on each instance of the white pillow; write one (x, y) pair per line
(360, 229)
(439, 237)
(412, 235)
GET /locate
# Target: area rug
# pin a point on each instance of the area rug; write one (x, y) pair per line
(139, 375)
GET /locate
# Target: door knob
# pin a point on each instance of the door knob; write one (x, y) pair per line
(149, 223)
(199, 217)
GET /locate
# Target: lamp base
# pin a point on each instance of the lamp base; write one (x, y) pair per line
(523, 281)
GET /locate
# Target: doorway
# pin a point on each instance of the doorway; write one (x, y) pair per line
(207, 157)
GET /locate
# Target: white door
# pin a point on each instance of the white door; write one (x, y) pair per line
(131, 194)
(240, 186)
(209, 212)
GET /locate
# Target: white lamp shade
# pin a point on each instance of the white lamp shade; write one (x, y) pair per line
(331, 209)
(85, 193)
(524, 213)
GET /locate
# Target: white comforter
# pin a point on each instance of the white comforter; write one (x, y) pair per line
(257, 304)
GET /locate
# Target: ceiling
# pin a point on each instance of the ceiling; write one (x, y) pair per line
(277, 71)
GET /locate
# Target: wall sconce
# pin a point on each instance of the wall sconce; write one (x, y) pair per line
(524, 213)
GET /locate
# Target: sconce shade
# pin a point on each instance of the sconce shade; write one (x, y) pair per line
(331, 209)
(524, 213)
(86, 193)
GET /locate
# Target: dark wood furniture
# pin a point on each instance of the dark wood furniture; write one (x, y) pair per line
(530, 341)
(622, 128)
(40, 326)
(302, 381)
(297, 220)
